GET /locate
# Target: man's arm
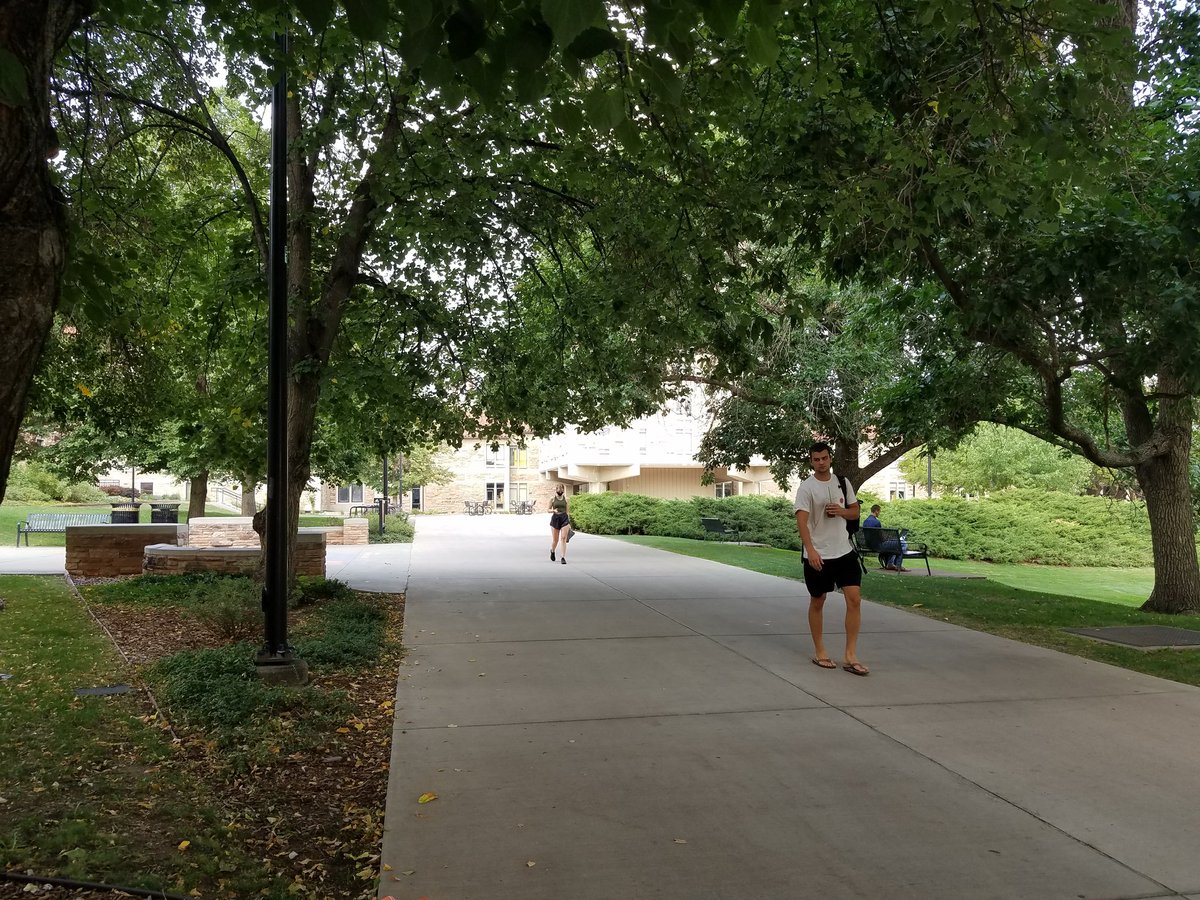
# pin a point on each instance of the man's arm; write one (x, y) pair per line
(814, 558)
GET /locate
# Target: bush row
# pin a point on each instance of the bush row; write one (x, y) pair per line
(764, 520)
(32, 483)
(1017, 526)
(399, 529)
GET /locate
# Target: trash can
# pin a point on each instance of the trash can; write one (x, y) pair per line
(126, 512)
(164, 513)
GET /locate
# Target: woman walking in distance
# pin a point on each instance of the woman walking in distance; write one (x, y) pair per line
(560, 524)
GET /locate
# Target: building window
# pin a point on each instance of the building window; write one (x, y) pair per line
(146, 487)
(352, 493)
(416, 498)
(579, 489)
(518, 458)
(520, 490)
(495, 494)
(491, 458)
(726, 489)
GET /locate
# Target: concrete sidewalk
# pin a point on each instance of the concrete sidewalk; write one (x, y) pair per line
(33, 561)
(639, 724)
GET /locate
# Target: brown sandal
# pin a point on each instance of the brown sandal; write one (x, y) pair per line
(824, 662)
(856, 668)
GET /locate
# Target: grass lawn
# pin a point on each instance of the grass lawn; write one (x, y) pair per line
(250, 791)
(13, 513)
(1035, 614)
(1127, 586)
(89, 788)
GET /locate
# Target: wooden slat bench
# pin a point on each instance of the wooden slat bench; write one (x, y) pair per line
(56, 523)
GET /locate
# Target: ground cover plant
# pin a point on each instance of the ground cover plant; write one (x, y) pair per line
(290, 781)
(1031, 616)
(1015, 526)
(95, 788)
(399, 529)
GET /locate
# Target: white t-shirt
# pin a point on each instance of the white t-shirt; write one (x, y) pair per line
(829, 534)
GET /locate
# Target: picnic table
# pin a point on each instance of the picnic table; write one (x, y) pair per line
(477, 507)
(524, 507)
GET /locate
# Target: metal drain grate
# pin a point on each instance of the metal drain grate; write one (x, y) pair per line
(1143, 637)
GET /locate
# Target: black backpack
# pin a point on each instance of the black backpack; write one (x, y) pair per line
(852, 525)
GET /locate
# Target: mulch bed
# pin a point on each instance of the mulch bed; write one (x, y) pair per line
(315, 817)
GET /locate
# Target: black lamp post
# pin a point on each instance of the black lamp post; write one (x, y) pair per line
(276, 661)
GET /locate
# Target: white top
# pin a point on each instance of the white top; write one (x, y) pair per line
(829, 534)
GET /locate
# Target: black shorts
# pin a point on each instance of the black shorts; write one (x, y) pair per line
(840, 572)
(558, 520)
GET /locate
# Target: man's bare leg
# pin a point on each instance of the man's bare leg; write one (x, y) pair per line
(816, 606)
(853, 597)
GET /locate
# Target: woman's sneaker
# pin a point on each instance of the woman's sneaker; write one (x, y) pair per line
(564, 560)
(551, 556)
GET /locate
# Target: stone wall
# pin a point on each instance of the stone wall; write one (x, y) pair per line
(354, 531)
(222, 531)
(105, 551)
(168, 559)
(310, 555)
(164, 559)
(238, 531)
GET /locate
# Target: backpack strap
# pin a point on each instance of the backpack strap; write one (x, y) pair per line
(853, 543)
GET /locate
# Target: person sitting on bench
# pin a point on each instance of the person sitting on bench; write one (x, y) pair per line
(891, 561)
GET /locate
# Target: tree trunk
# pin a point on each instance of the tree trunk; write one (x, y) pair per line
(249, 504)
(32, 218)
(1164, 484)
(198, 495)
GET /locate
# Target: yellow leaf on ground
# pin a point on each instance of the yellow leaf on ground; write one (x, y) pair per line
(183, 845)
(426, 797)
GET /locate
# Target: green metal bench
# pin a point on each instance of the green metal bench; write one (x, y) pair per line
(56, 523)
(886, 542)
(719, 528)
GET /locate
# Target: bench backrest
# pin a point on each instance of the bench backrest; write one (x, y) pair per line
(873, 538)
(62, 520)
(713, 525)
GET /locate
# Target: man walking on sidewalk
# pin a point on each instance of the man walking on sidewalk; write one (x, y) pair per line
(824, 504)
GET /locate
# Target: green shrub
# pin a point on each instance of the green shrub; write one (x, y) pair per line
(84, 493)
(219, 688)
(31, 482)
(231, 608)
(1029, 526)
(352, 634)
(1014, 526)
(616, 513)
(399, 529)
(170, 590)
(761, 520)
(315, 589)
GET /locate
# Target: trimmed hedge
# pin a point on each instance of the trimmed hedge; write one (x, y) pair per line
(764, 520)
(1015, 526)
(1029, 526)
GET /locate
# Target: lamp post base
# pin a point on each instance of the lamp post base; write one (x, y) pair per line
(284, 670)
